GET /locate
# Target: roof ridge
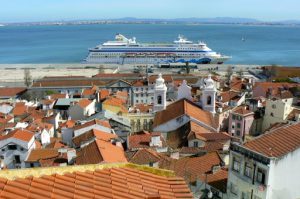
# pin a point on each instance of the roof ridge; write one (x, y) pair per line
(48, 171)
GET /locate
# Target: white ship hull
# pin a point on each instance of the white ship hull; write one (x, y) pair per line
(127, 51)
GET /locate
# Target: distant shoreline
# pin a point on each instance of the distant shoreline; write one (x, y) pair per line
(184, 21)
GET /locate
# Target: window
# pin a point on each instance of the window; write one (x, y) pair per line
(248, 170)
(31, 165)
(195, 144)
(238, 125)
(272, 115)
(233, 189)
(17, 159)
(236, 164)
(261, 175)
(12, 147)
(273, 106)
(232, 126)
(238, 133)
(151, 164)
(2, 149)
(159, 100)
(208, 102)
(233, 117)
(21, 148)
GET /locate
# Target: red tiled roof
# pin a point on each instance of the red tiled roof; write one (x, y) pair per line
(103, 152)
(147, 156)
(143, 140)
(218, 180)
(67, 83)
(228, 95)
(57, 96)
(277, 143)
(94, 133)
(55, 143)
(113, 101)
(184, 107)
(19, 134)
(11, 91)
(93, 122)
(20, 109)
(167, 78)
(83, 103)
(104, 93)
(139, 83)
(38, 154)
(68, 124)
(143, 108)
(193, 167)
(124, 182)
(213, 136)
(38, 125)
(48, 101)
(114, 75)
(242, 110)
(88, 92)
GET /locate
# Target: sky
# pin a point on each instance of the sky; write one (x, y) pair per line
(53, 10)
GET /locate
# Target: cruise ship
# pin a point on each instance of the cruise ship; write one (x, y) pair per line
(128, 51)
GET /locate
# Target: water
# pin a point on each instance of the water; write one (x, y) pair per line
(69, 44)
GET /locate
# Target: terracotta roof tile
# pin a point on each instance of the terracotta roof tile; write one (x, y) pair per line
(143, 140)
(57, 96)
(102, 151)
(11, 91)
(115, 75)
(218, 180)
(146, 156)
(104, 93)
(68, 124)
(94, 133)
(184, 107)
(167, 78)
(193, 167)
(83, 103)
(242, 110)
(67, 82)
(19, 134)
(277, 143)
(93, 122)
(38, 154)
(87, 92)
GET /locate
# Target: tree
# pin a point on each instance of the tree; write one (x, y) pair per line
(240, 72)
(101, 69)
(229, 72)
(272, 71)
(187, 67)
(27, 77)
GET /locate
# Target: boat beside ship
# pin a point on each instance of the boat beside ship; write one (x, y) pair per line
(128, 51)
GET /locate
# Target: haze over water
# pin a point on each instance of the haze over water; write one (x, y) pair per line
(69, 44)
